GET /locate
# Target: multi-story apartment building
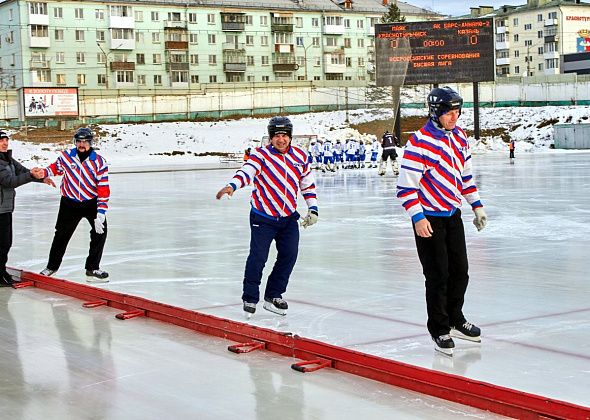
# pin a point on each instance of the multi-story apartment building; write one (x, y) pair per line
(531, 39)
(166, 43)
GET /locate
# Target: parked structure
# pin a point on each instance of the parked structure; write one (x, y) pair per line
(176, 45)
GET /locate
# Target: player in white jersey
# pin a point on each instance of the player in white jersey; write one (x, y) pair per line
(374, 153)
(328, 157)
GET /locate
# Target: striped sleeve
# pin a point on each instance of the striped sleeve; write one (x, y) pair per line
(103, 191)
(408, 184)
(469, 190)
(245, 175)
(56, 168)
(308, 188)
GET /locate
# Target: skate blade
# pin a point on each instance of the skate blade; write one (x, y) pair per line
(271, 308)
(446, 352)
(248, 315)
(96, 280)
(461, 336)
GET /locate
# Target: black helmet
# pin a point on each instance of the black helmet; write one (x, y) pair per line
(442, 100)
(278, 125)
(84, 133)
(4, 135)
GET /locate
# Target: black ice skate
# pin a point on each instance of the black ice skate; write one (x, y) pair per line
(467, 331)
(249, 309)
(276, 305)
(97, 276)
(444, 344)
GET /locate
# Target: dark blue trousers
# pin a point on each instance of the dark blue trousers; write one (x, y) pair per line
(285, 233)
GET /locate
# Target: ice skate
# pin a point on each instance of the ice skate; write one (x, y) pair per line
(47, 272)
(444, 344)
(276, 305)
(467, 331)
(249, 309)
(97, 276)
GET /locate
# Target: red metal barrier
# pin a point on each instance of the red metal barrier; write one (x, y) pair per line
(319, 364)
(504, 401)
(246, 347)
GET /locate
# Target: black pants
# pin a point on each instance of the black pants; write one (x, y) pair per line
(389, 154)
(70, 214)
(5, 239)
(445, 267)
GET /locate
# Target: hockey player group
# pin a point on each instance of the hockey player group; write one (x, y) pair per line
(352, 154)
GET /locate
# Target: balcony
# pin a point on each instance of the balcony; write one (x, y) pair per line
(503, 61)
(285, 67)
(281, 27)
(550, 55)
(122, 44)
(233, 22)
(334, 49)
(234, 67)
(550, 22)
(39, 20)
(122, 65)
(504, 45)
(122, 22)
(501, 29)
(175, 24)
(39, 42)
(334, 68)
(233, 46)
(39, 64)
(177, 66)
(333, 29)
(176, 45)
(284, 48)
(548, 72)
(371, 31)
(551, 38)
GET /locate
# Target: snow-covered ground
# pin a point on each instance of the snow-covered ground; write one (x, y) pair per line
(132, 145)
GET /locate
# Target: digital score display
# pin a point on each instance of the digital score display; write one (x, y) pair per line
(450, 51)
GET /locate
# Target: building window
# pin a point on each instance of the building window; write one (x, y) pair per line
(299, 22)
(315, 22)
(194, 59)
(38, 31)
(58, 13)
(348, 61)
(101, 58)
(60, 57)
(79, 13)
(140, 58)
(60, 79)
(249, 39)
(250, 78)
(299, 41)
(347, 23)
(211, 38)
(80, 58)
(210, 18)
(158, 79)
(99, 14)
(528, 42)
(81, 78)
(157, 59)
(360, 24)
(139, 37)
(361, 61)
(540, 50)
(38, 8)
(179, 77)
(193, 39)
(516, 38)
(331, 41)
(141, 79)
(265, 78)
(192, 18)
(138, 16)
(264, 60)
(315, 41)
(101, 79)
(264, 40)
(515, 22)
(552, 15)
(194, 78)
(516, 54)
(121, 11)
(516, 70)
(212, 60)
(361, 43)
(249, 20)
(346, 42)
(155, 16)
(528, 26)
(100, 36)
(539, 34)
(249, 60)
(212, 79)
(58, 34)
(156, 37)
(552, 63)
(263, 20)
(540, 67)
(125, 76)
(540, 17)
(79, 35)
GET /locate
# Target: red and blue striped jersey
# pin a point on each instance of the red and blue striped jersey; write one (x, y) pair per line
(277, 179)
(82, 181)
(436, 172)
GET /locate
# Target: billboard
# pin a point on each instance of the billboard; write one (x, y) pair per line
(446, 51)
(50, 102)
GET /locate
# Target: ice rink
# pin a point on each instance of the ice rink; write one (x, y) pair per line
(358, 281)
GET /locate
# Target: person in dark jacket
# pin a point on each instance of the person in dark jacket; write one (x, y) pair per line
(12, 175)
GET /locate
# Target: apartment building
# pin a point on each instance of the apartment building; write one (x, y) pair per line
(532, 39)
(166, 43)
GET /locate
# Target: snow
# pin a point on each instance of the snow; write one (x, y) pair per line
(133, 145)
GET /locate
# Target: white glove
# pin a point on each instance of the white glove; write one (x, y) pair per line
(99, 223)
(481, 218)
(310, 219)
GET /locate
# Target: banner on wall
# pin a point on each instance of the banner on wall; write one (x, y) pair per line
(50, 102)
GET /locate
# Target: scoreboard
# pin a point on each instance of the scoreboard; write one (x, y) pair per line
(448, 51)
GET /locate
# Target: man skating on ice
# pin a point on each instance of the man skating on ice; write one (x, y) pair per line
(278, 173)
(84, 195)
(435, 173)
(388, 146)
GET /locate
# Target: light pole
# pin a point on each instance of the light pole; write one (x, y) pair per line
(305, 57)
(106, 65)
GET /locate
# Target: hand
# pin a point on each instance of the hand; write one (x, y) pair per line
(227, 190)
(37, 173)
(423, 228)
(99, 223)
(49, 181)
(481, 218)
(310, 219)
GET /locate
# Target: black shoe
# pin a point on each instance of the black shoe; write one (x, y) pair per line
(97, 276)
(444, 344)
(467, 331)
(276, 305)
(6, 280)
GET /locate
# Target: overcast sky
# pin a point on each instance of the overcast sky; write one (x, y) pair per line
(460, 7)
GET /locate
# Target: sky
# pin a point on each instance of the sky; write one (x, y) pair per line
(461, 7)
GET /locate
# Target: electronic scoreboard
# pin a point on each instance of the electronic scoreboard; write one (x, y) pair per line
(450, 51)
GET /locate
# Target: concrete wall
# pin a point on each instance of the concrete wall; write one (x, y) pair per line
(572, 136)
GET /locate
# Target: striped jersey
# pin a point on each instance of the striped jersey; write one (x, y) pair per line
(436, 172)
(82, 181)
(277, 179)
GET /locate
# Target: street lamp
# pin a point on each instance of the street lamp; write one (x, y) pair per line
(106, 64)
(305, 57)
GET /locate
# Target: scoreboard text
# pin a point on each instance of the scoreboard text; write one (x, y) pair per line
(435, 52)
